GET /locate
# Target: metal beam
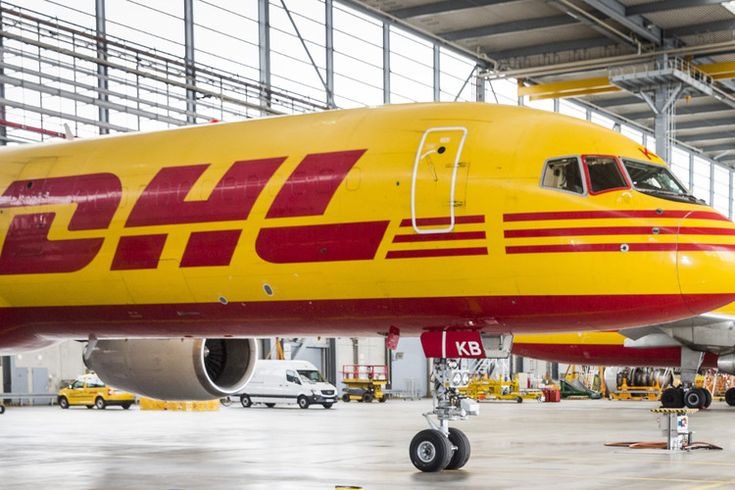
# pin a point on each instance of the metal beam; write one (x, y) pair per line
(706, 123)
(618, 101)
(720, 25)
(721, 135)
(329, 47)
(650, 8)
(437, 73)
(567, 88)
(713, 148)
(509, 27)
(386, 63)
(680, 111)
(102, 85)
(443, 7)
(264, 52)
(550, 48)
(719, 71)
(635, 23)
(191, 95)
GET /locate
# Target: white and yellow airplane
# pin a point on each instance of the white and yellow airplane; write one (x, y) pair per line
(463, 223)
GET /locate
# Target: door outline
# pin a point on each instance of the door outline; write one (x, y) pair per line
(419, 157)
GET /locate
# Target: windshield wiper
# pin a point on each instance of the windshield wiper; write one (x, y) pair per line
(671, 195)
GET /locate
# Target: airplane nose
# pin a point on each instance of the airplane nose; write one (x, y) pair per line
(705, 260)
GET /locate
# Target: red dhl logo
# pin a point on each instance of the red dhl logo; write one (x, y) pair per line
(307, 192)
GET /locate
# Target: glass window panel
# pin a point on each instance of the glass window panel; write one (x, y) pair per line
(503, 91)
(411, 65)
(631, 133)
(157, 25)
(454, 72)
(544, 104)
(572, 109)
(602, 120)
(701, 184)
(680, 166)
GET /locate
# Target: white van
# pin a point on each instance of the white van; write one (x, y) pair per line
(288, 382)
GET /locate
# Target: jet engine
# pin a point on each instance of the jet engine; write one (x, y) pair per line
(174, 369)
(726, 364)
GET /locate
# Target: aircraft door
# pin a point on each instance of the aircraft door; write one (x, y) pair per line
(434, 179)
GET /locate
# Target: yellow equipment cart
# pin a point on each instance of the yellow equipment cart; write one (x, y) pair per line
(364, 382)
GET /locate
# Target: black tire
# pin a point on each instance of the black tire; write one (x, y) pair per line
(730, 397)
(327, 405)
(89, 407)
(708, 398)
(430, 450)
(100, 403)
(2, 409)
(226, 401)
(303, 402)
(270, 405)
(519, 399)
(346, 398)
(245, 401)
(672, 398)
(462, 452)
(383, 399)
(367, 397)
(126, 406)
(695, 398)
(63, 402)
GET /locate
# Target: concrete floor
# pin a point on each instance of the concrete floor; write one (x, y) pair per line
(531, 445)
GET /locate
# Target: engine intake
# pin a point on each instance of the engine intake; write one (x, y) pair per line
(174, 369)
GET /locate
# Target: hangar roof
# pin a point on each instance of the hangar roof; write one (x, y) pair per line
(545, 41)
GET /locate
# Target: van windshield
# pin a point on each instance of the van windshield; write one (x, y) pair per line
(311, 375)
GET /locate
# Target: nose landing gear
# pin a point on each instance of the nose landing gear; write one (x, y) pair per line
(687, 396)
(441, 447)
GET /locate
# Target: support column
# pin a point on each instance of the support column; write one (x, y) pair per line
(386, 63)
(479, 85)
(191, 94)
(329, 361)
(102, 77)
(329, 44)
(264, 46)
(3, 128)
(7, 374)
(437, 73)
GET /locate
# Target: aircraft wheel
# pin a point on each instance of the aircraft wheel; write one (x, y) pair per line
(245, 401)
(462, 452)
(672, 398)
(695, 398)
(730, 397)
(708, 398)
(63, 402)
(430, 450)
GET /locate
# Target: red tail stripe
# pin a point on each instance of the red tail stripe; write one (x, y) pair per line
(615, 247)
(444, 220)
(438, 237)
(439, 252)
(561, 215)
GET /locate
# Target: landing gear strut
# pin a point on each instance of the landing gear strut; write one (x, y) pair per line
(442, 447)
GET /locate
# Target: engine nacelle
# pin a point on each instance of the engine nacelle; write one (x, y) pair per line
(726, 364)
(174, 369)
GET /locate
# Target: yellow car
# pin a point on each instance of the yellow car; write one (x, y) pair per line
(90, 391)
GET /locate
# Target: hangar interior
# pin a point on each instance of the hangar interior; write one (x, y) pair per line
(661, 73)
(658, 72)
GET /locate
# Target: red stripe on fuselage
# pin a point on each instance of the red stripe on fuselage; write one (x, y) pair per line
(444, 220)
(320, 243)
(617, 230)
(313, 183)
(437, 252)
(591, 247)
(439, 237)
(352, 317)
(612, 214)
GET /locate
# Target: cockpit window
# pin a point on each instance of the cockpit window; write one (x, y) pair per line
(648, 177)
(563, 174)
(604, 174)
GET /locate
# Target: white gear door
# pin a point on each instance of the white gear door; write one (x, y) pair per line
(434, 179)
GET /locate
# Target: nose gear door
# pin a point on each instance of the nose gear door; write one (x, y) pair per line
(434, 179)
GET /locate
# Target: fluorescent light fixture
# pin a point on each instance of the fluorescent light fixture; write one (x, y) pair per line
(729, 6)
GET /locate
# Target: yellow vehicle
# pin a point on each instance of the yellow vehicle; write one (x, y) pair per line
(90, 391)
